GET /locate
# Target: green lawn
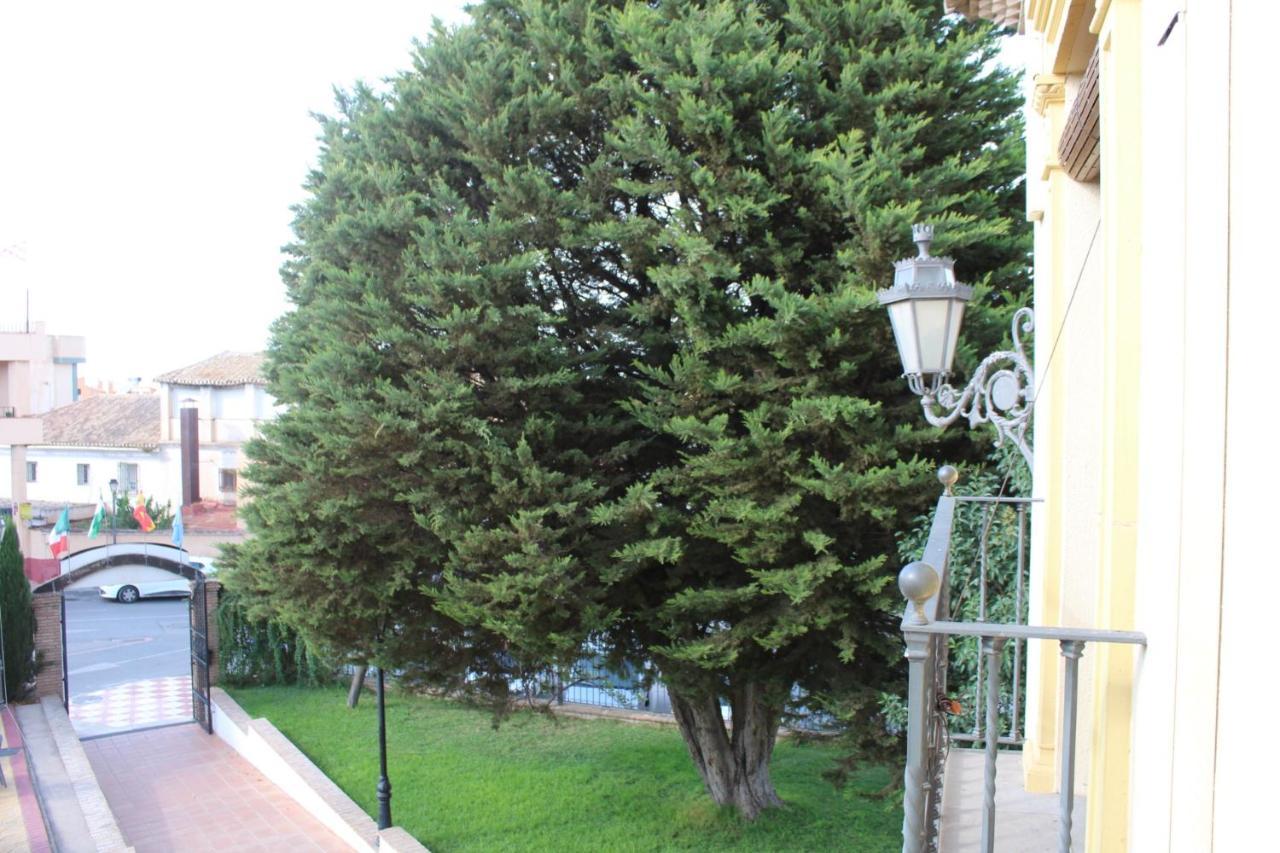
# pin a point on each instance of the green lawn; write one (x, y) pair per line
(563, 784)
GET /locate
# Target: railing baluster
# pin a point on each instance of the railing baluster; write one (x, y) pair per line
(977, 692)
(982, 617)
(1071, 651)
(915, 775)
(991, 648)
(1017, 618)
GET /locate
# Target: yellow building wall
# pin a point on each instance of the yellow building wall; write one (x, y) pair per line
(1089, 300)
(1120, 39)
(1180, 314)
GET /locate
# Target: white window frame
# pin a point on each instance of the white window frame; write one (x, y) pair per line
(129, 485)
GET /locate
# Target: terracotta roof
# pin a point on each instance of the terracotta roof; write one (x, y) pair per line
(225, 368)
(1006, 13)
(112, 420)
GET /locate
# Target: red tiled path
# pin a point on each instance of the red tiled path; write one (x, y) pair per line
(179, 788)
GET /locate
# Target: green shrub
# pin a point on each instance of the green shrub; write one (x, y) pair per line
(264, 652)
(1004, 475)
(16, 617)
(161, 514)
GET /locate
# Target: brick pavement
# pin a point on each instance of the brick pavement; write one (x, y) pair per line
(179, 788)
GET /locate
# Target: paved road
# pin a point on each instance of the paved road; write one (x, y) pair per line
(115, 652)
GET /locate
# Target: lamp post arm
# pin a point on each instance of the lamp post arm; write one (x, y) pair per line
(1001, 393)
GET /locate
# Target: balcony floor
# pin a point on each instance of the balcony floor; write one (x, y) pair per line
(1026, 823)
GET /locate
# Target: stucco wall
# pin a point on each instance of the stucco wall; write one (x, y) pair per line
(159, 472)
(1152, 452)
(33, 380)
(56, 472)
(226, 413)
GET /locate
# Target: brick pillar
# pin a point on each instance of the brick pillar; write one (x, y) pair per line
(47, 607)
(212, 592)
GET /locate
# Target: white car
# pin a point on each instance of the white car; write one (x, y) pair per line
(128, 593)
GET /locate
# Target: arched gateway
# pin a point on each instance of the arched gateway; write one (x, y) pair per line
(114, 581)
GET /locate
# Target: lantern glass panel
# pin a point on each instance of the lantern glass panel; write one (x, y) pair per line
(933, 332)
(953, 333)
(902, 316)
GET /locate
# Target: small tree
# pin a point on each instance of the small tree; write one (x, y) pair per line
(16, 613)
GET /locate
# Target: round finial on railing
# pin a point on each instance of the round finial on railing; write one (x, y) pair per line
(919, 582)
(947, 476)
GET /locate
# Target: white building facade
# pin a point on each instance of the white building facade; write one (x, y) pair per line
(135, 438)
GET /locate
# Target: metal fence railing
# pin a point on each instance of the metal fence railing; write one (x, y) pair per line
(935, 626)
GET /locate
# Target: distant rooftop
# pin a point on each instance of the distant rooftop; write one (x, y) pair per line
(225, 368)
(111, 420)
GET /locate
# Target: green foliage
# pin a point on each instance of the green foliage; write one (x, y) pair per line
(264, 651)
(161, 514)
(996, 525)
(585, 345)
(16, 617)
(542, 783)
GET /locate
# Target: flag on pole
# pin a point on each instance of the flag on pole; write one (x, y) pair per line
(59, 537)
(177, 528)
(140, 514)
(100, 514)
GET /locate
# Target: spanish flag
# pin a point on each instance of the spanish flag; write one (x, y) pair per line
(140, 513)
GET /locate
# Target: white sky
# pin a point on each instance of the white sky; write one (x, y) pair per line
(149, 154)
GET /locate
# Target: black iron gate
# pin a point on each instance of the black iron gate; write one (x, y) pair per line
(201, 707)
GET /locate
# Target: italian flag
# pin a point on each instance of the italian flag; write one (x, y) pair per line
(99, 515)
(59, 538)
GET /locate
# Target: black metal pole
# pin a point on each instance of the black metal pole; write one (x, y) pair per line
(384, 784)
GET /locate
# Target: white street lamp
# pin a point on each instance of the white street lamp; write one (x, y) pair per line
(926, 308)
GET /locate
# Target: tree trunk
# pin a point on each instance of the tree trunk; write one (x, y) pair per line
(357, 684)
(734, 765)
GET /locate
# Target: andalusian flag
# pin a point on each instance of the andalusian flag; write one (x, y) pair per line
(59, 538)
(95, 526)
(140, 514)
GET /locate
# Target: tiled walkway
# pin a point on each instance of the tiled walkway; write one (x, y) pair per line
(133, 705)
(179, 788)
(1027, 823)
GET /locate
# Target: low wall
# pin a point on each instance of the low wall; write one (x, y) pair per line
(40, 570)
(276, 757)
(84, 784)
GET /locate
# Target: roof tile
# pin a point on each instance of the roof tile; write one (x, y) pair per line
(112, 420)
(225, 368)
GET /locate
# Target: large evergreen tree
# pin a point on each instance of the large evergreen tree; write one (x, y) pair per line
(16, 617)
(586, 350)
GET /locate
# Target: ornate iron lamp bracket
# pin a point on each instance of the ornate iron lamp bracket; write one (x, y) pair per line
(1001, 392)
